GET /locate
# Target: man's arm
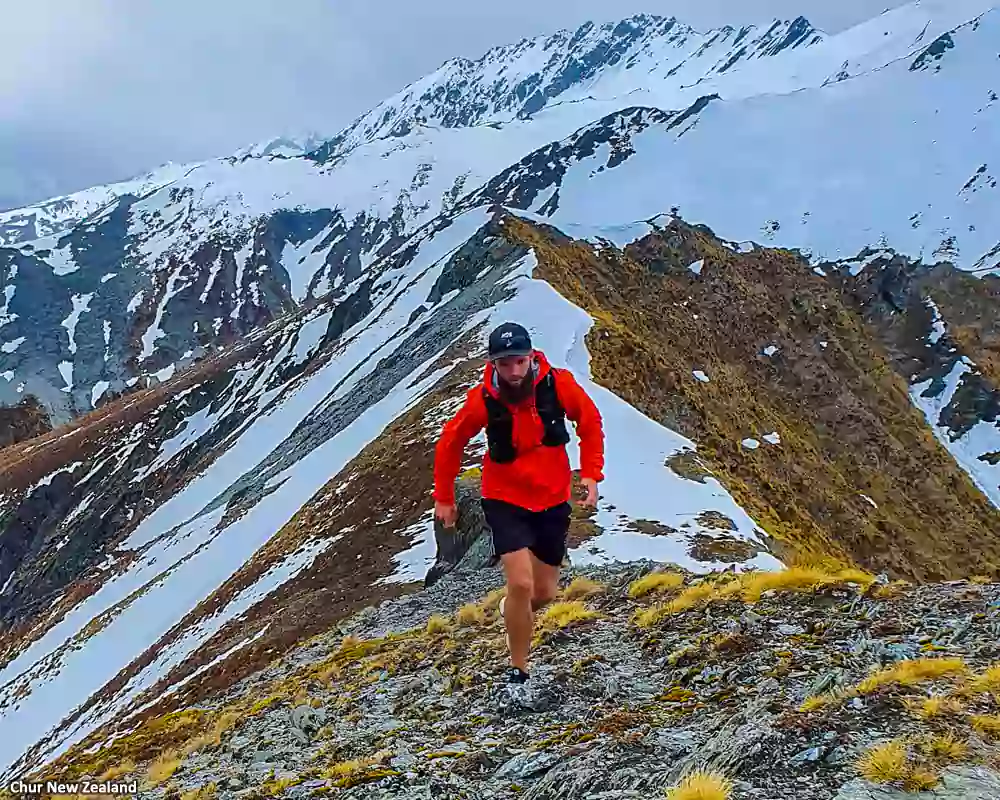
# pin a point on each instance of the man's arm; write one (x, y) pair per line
(580, 408)
(457, 433)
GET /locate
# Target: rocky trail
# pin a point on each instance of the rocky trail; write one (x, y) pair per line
(646, 682)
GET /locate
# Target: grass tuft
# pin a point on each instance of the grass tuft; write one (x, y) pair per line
(655, 582)
(912, 672)
(471, 614)
(920, 779)
(491, 602)
(582, 588)
(884, 763)
(561, 615)
(934, 707)
(437, 624)
(945, 747)
(799, 579)
(987, 681)
(987, 726)
(692, 597)
(818, 702)
(702, 785)
(647, 617)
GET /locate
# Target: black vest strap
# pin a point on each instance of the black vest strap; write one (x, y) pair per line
(500, 421)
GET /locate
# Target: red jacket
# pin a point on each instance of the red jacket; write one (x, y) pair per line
(539, 478)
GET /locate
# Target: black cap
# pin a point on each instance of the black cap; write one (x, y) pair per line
(510, 339)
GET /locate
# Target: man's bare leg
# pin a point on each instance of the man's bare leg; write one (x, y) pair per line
(518, 615)
(546, 583)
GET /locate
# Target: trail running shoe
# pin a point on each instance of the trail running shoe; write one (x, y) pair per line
(516, 676)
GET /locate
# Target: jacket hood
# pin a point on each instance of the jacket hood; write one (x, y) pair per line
(541, 368)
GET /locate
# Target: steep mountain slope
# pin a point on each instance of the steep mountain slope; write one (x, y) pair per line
(310, 320)
(309, 459)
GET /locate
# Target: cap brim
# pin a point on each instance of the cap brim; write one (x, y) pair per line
(510, 354)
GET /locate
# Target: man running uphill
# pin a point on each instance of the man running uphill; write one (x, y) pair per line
(523, 403)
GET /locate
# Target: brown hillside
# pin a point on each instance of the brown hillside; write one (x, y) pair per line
(847, 428)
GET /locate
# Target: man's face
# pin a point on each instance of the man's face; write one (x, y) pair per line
(513, 369)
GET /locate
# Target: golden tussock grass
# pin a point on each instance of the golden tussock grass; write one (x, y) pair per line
(934, 707)
(912, 672)
(945, 747)
(817, 702)
(563, 614)
(987, 726)
(987, 681)
(437, 624)
(798, 579)
(751, 586)
(890, 590)
(702, 785)
(224, 723)
(491, 601)
(471, 614)
(655, 582)
(884, 763)
(582, 588)
(647, 617)
(920, 779)
(691, 597)
(345, 769)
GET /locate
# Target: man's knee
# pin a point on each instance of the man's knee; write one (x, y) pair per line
(542, 596)
(520, 584)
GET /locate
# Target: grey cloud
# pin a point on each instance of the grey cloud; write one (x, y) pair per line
(98, 90)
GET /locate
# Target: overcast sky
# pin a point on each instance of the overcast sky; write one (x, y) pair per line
(93, 91)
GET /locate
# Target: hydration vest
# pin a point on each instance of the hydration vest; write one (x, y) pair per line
(500, 421)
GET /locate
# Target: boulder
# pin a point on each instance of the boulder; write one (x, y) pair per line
(469, 545)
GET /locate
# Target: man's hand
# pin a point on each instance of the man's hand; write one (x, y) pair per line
(447, 513)
(590, 501)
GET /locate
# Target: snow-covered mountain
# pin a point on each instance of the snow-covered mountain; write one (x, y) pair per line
(254, 354)
(52, 217)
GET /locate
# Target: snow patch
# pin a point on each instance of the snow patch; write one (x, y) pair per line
(66, 370)
(937, 322)
(701, 376)
(98, 392)
(967, 449)
(81, 303)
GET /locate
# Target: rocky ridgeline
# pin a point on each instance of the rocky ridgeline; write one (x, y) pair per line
(646, 683)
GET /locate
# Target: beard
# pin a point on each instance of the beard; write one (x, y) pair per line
(514, 393)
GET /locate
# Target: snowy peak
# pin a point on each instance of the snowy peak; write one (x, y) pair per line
(517, 81)
(60, 214)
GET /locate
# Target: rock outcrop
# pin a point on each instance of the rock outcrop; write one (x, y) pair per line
(467, 545)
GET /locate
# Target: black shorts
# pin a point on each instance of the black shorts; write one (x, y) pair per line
(542, 532)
